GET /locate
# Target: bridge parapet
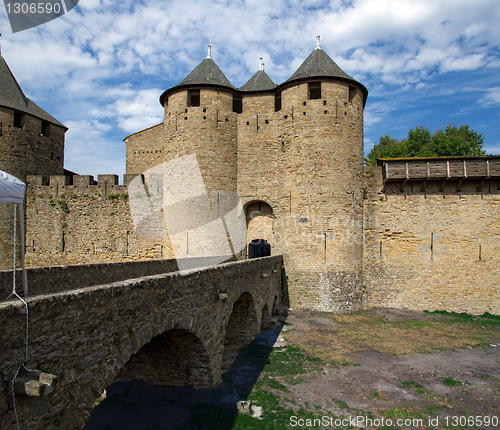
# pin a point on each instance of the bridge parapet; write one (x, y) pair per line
(90, 336)
(52, 279)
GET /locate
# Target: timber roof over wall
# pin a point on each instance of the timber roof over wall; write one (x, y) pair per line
(12, 96)
(440, 168)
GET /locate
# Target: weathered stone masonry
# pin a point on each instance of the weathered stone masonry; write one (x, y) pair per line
(433, 243)
(31, 142)
(74, 220)
(166, 329)
(293, 152)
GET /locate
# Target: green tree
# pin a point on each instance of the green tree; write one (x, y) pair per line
(456, 141)
(452, 141)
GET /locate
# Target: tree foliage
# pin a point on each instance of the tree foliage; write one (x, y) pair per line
(452, 141)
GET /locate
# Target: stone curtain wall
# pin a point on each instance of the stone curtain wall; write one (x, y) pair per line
(86, 337)
(434, 248)
(145, 149)
(83, 222)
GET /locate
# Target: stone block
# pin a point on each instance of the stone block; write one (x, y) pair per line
(107, 179)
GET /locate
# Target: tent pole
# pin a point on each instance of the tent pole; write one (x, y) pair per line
(23, 242)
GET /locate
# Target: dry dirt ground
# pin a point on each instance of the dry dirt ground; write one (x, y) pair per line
(379, 369)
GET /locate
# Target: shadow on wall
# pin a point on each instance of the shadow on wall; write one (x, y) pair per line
(141, 405)
(132, 405)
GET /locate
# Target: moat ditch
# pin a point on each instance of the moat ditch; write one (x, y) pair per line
(381, 368)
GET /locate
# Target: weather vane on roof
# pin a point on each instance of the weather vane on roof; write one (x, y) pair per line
(261, 64)
(209, 53)
(317, 42)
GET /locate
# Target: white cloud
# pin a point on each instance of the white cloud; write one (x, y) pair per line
(102, 66)
(469, 62)
(492, 97)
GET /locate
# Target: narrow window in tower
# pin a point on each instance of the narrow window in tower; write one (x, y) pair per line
(237, 104)
(314, 90)
(352, 93)
(45, 129)
(18, 119)
(277, 102)
(193, 98)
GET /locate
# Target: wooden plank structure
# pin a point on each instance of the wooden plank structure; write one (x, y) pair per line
(440, 168)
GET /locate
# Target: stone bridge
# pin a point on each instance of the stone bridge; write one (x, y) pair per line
(169, 329)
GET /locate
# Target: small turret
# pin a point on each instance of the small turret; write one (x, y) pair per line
(260, 81)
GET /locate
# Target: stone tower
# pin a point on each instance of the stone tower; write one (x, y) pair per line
(294, 154)
(31, 142)
(300, 164)
(322, 136)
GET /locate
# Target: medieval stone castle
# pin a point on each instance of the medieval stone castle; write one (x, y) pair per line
(413, 233)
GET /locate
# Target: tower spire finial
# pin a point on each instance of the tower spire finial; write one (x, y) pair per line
(317, 42)
(261, 64)
(209, 53)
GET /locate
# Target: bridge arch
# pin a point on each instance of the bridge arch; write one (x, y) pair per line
(174, 357)
(241, 328)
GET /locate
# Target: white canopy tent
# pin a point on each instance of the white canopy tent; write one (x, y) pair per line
(12, 190)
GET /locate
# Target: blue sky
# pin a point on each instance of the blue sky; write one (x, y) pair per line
(101, 68)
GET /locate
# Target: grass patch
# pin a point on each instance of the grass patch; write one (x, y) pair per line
(291, 361)
(63, 205)
(486, 318)
(387, 332)
(273, 383)
(450, 382)
(411, 384)
(208, 417)
(430, 410)
(275, 414)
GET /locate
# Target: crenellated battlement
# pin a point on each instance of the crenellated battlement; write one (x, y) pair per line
(78, 184)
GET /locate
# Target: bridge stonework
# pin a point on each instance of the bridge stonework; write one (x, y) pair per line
(170, 329)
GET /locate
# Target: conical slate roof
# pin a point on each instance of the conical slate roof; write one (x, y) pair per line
(207, 73)
(319, 65)
(260, 81)
(12, 96)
